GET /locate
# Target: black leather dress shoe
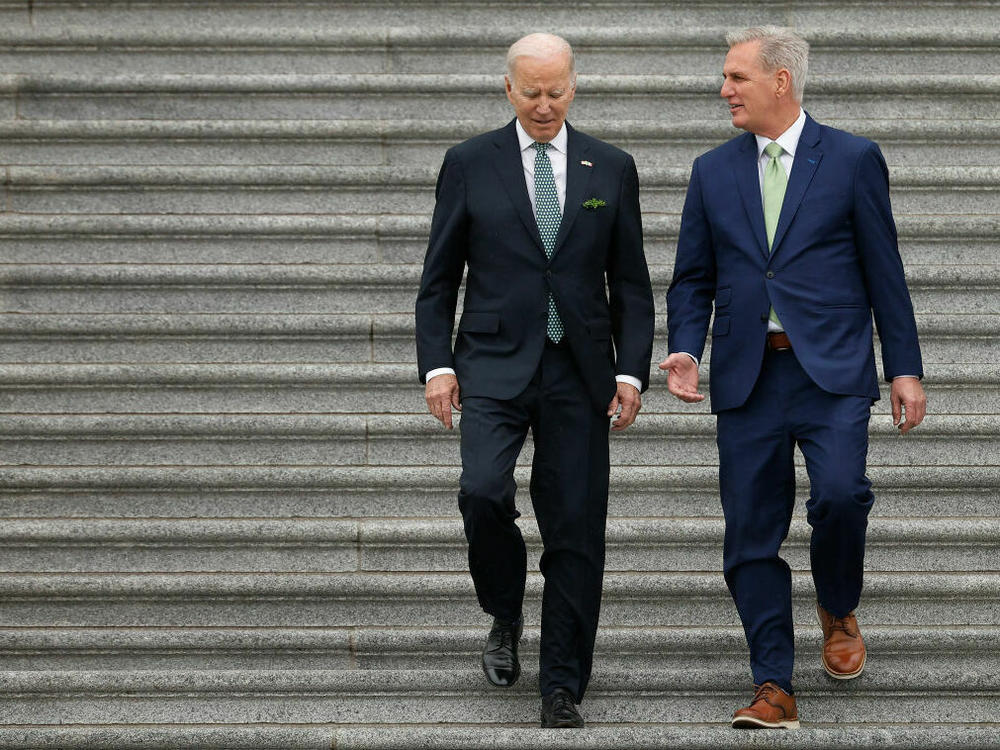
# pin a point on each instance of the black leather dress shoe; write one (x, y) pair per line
(500, 663)
(559, 710)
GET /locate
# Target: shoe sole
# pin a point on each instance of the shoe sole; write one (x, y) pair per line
(747, 722)
(842, 675)
(563, 725)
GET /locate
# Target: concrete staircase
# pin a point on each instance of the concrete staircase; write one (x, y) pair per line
(227, 521)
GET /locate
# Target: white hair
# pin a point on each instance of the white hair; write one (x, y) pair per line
(780, 47)
(542, 46)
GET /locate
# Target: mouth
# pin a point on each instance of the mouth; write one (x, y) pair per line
(735, 107)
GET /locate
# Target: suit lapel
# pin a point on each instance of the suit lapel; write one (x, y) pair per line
(807, 159)
(577, 181)
(511, 170)
(748, 183)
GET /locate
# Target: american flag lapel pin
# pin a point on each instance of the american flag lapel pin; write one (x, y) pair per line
(587, 163)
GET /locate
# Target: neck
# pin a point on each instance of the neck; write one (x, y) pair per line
(782, 123)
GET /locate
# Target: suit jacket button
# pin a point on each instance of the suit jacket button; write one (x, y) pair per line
(763, 317)
(548, 274)
(770, 274)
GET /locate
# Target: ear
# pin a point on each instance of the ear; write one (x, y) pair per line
(782, 83)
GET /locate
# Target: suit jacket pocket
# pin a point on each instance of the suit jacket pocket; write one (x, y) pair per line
(722, 296)
(721, 326)
(599, 329)
(479, 322)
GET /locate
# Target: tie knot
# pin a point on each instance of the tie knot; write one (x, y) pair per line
(540, 147)
(773, 150)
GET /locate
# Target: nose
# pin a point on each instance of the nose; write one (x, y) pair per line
(726, 91)
(544, 105)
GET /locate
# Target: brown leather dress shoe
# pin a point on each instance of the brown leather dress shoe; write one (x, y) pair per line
(771, 708)
(844, 651)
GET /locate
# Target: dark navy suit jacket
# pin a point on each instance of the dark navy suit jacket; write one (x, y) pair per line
(483, 221)
(834, 261)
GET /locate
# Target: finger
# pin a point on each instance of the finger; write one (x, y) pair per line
(896, 408)
(455, 400)
(627, 417)
(446, 414)
(613, 406)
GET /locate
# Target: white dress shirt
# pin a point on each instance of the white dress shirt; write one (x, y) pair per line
(557, 157)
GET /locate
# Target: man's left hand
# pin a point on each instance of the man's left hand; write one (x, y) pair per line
(630, 401)
(908, 402)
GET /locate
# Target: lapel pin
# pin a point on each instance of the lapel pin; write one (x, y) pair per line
(587, 163)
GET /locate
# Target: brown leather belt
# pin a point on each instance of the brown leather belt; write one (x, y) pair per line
(778, 342)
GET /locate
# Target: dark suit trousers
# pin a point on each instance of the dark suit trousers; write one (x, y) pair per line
(569, 493)
(757, 481)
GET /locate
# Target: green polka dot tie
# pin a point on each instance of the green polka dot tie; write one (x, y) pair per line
(548, 216)
(775, 182)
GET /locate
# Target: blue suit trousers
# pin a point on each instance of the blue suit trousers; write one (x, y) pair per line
(757, 482)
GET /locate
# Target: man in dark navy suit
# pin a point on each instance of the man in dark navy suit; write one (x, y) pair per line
(789, 232)
(556, 337)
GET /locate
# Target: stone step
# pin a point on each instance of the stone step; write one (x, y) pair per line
(390, 96)
(516, 19)
(375, 240)
(814, 735)
(351, 388)
(280, 141)
(357, 338)
(406, 648)
(413, 440)
(403, 190)
(316, 545)
(285, 599)
(463, 697)
(407, 491)
(205, 288)
(240, 49)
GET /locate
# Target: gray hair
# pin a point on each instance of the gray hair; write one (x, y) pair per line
(780, 47)
(540, 45)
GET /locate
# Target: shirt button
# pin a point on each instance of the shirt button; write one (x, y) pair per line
(770, 274)
(548, 274)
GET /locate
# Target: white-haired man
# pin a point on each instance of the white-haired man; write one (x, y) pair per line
(787, 229)
(555, 337)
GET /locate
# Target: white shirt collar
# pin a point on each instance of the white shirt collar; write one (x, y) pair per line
(788, 140)
(558, 143)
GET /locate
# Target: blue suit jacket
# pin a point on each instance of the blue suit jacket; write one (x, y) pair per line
(483, 221)
(833, 262)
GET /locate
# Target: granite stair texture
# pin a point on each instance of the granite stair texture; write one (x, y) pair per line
(226, 520)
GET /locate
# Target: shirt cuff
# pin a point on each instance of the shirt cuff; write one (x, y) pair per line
(915, 377)
(439, 371)
(634, 382)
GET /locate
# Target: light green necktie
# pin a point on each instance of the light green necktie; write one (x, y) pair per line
(548, 215)
(775, 182)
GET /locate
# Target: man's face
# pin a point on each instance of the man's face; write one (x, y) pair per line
(749, 89)
(541, 91)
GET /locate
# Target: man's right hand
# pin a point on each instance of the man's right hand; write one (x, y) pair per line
(682, 377)
(441, 394)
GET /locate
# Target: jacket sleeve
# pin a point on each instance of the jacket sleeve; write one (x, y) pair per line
(692, 289)
(444, 265)
(629, 291)
(875, 239)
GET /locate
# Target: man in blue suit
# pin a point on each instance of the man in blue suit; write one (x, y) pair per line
(789, 232)
(555, 336)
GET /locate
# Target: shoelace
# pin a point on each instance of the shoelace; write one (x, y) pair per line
(840, 623)
(762, 693)
(561, 703)
(506, 639)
